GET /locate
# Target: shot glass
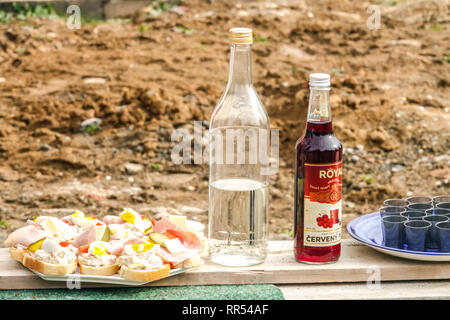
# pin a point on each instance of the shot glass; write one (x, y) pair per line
(395, 203)
(413, 215)
(444, 236)
(438, 211)
(393, 231)
(391, 211)
(419, 206)
(443, 205)
(439, 199)
(419, 199)
(433, 237)
(416, 233)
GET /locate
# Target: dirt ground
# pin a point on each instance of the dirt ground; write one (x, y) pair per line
(148, 75)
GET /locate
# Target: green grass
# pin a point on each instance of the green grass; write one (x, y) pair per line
(22, 11)
(90, 129)
(145, 28)
(4, 224)
(159, 7)
(368, 179)
(289, 232)
(436, 27)
(184, 30)
(260, 39)
(447, 58)
(156, 166)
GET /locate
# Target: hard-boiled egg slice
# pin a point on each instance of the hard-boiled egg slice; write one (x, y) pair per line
(99, 248)
(135, 249)
(79, 219)
(134, 218)
(142, 247)
(50, 246)
(130, 216)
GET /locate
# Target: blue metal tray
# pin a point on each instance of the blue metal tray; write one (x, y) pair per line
(367, 230)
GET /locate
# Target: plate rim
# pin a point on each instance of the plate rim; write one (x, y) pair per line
(410, 252)
(114, 279)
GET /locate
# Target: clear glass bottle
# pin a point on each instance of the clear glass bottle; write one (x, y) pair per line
(238, 185)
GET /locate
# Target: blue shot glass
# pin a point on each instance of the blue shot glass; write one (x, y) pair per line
(391, 211)
(439, 199)
(444, 236)
(443, 205)
(413, 214)
(395, 203)
(439, 212)
(419, 199)
(433, 236)
(393, 231)
(416, 233)
(419, 206)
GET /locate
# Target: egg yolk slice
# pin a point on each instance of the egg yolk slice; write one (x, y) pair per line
(128, 216)
(142, 247)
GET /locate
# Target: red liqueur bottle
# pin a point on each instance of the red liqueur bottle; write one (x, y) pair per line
(318, 181)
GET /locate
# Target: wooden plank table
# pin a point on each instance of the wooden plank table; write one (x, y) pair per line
(358, 265)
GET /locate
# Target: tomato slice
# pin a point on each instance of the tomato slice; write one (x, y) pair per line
(84, 249)
(64, 243)
(153, 222)
(175, 233)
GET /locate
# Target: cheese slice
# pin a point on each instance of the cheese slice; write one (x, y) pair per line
(174, 245)
(178, 220)
(50, 226)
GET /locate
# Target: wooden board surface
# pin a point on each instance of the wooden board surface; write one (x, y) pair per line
(358, 263)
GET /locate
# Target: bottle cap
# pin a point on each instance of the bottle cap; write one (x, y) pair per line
(241, 36)
(319, 80)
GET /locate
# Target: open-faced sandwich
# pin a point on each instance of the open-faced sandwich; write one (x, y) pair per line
(49, 257)
(23, 238)
(131, 245)
(139, 262)
(98, 260)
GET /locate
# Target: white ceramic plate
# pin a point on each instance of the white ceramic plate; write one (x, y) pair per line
(114, 279)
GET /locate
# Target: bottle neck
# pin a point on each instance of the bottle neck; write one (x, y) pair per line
(240, 66)
(319, 110)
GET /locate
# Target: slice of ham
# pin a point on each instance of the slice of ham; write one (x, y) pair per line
(190, 240)
(117, 246)
(33, 223)
(175, 258)
(134, 241)
(25, 236)
(67, 220)
(113, 220)
(163, 224)
(86, 237)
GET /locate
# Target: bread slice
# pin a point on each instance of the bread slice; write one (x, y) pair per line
(48, 268)
(144, 275)
(17, 254)
(99, 271)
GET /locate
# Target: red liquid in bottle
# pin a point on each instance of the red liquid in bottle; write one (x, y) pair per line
(318, 149)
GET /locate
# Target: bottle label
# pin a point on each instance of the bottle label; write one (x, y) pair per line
(322, 204)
